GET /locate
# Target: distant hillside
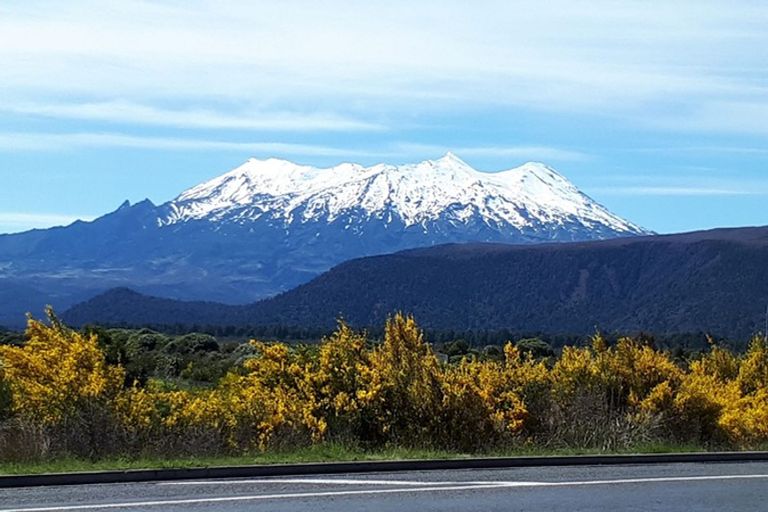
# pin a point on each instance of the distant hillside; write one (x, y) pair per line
(716, 281)
(270, 225)
(126, 307)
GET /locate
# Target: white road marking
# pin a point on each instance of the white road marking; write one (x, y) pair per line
(436, 487)
(319, 481)
(191, 501)
(670, 479)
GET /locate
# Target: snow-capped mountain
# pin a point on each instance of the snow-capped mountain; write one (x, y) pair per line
(532, 198)
(270, 225)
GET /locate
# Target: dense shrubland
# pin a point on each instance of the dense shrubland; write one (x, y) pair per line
(118, 393)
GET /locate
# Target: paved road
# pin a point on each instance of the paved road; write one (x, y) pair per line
(679, 487)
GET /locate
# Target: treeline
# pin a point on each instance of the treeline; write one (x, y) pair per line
(680, 342)
(64, 392)
(275, 332)
(200, 359)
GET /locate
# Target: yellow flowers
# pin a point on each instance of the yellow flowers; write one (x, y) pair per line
(56, 372)
(480, 406)
(396, 392)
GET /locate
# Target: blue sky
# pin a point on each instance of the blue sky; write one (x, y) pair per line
(659, 110)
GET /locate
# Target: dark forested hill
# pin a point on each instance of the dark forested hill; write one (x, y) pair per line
(715, 281)
(270, 225)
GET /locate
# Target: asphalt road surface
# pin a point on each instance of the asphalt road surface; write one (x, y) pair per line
(722, 487)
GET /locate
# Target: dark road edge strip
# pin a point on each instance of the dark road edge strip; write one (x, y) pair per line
(328, 468)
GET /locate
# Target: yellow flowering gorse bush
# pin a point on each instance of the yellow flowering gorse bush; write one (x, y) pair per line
(57, 372)
(397, 392)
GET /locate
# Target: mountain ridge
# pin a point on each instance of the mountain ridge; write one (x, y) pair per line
(417, 193)
(713, 281)
(270, 225)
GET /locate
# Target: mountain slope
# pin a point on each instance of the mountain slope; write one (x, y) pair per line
(531, 200)
(714, 281)
(270, 225)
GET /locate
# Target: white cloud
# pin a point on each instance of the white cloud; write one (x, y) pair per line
(20, 141)
(710, 148)
(68, 141)
(544, 153)
(741, 116)
(672, 191)
(128, 112)
(630, 60)
(681, 181)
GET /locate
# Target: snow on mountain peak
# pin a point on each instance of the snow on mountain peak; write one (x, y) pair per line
(528, 197)
(450, 158)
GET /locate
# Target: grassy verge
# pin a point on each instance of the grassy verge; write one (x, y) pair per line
(318, 453)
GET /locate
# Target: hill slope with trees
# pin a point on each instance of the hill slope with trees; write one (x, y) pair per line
(714, 281)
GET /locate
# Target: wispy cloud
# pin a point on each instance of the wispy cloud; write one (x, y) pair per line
(686, 65)
(712, 148)
(738, 115)
(673, 191)
(522, 152)
(134, 113)
(32, 141)
(15, 142)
